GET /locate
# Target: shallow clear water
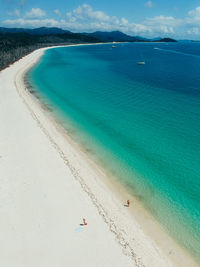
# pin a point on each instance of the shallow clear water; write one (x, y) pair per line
(141, 122)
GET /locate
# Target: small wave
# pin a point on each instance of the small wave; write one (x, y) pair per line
(176, 52)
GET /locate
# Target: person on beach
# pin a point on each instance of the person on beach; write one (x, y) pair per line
(84, 222)
(128, 203)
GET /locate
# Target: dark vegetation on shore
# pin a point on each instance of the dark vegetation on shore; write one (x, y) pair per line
(18, 42)
(14, 46)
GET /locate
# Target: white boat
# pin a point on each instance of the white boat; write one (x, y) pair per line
(141, 63)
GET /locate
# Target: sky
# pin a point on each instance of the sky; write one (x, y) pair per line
(178, 19)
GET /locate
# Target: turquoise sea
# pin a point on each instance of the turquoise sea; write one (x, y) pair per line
(141, 122)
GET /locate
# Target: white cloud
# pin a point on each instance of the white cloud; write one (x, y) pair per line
(166, 29)
(161, 19)
(57, 12)
(195, 13)
(124, 22)
(35, 13)
(139, 29)
(85, 12)
(16, 13)
(85, 18)
(193, 21)
(34, 22)
(149, 4)
(164, 24)
(194, 31)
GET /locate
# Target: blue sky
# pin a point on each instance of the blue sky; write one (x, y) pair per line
(172, 18)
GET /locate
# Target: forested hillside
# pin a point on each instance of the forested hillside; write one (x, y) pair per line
(18, 42)
(13, 46)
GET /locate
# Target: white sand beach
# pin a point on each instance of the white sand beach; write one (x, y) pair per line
(47, 187)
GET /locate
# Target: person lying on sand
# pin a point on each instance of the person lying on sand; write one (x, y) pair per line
(84, 222)
(128, 203)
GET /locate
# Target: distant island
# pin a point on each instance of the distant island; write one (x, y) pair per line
(18, 42)
(117, 36)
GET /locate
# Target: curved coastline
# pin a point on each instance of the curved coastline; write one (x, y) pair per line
(136, 240)
(152, 234)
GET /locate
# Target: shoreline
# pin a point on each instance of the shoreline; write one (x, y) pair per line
(153, 228)
(136, 242)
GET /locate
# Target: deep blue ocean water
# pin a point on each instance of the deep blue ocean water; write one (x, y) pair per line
(142, 122)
